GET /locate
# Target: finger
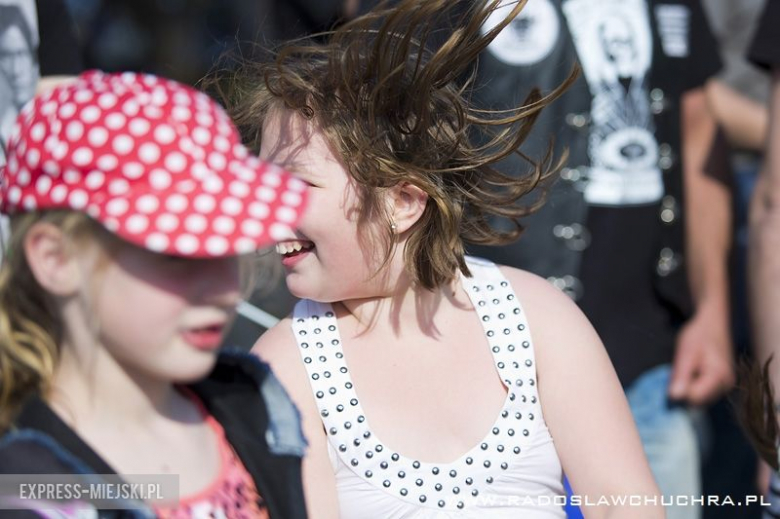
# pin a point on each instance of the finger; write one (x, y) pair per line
(683, 373)
(707, 387)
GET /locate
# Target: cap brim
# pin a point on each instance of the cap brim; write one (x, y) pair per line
(233, 216)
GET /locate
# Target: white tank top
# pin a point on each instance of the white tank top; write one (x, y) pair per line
(514, 471)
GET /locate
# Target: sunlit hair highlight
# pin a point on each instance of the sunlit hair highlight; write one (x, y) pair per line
(388, 91)
(30, 327)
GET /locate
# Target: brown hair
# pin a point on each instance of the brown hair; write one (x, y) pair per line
(758, 411)
(30, 327)
(389, 101)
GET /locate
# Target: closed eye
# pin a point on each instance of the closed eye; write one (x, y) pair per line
(305, 179)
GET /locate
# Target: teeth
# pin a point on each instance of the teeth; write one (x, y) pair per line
(289, 247)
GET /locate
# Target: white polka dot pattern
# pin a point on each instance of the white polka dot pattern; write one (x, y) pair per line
(155, 161)
(447, 486)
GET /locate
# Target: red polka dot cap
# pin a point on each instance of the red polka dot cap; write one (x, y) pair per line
(156, 162)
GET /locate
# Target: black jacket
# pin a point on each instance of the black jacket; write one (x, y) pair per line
(259, 420)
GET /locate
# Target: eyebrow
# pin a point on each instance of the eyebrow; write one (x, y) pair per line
(292, 165)
(299, 169)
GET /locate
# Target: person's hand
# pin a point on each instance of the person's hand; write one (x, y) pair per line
(763, 477)
(351, 8)
(703, 368)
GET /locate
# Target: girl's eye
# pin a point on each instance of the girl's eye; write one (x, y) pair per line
(306, 179)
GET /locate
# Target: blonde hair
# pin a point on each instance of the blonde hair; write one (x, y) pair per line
(389, 102)
(30, 327)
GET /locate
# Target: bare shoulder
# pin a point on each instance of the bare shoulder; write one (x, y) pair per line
(561, 333)
(529, 286)
(277, 343)
(546, 306)
(279, 349)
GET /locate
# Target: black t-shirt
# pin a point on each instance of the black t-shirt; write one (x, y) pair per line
(619, 296)
(59, 52)
(618, 269)
(765, 49)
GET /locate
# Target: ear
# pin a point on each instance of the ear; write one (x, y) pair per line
(53, 263)
(407, 203)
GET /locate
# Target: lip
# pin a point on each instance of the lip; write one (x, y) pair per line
(206, 338)
(291, 260)
(291, 257)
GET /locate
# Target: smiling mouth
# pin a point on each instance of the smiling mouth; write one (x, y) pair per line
(292, 248)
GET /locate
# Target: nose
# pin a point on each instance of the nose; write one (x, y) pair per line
(217, 281)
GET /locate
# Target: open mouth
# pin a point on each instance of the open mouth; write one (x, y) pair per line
(205, 338)
(292, 248)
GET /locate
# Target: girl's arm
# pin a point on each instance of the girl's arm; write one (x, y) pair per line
(278, 348)
(584, 404)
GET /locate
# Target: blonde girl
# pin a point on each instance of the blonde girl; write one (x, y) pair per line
(131, 200)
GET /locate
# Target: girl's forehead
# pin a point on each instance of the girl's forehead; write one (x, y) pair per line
(285, 126)
(294, 142)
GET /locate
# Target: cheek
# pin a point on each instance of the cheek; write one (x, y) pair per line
(339, 250)
(141, 331)
(141, 313)
(350, 266)
(323, 212)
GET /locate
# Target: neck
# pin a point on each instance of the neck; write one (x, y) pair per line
(404, 302)
(93, 388)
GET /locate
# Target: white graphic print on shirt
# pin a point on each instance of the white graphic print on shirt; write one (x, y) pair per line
(673, 29)
(614, 44)
(18, 61)
(529, 38)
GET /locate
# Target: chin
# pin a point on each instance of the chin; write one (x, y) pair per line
(299, 287)
(190, 371)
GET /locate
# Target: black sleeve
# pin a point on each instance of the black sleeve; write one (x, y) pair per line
(765, 49)
(59, 52)
(704, 61)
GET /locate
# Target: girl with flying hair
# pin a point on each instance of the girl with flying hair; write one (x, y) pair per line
(431, 384)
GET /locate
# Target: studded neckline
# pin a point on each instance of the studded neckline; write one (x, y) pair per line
(440, 485)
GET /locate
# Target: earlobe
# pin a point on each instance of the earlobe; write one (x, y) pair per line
(51, 260)
(409, 203)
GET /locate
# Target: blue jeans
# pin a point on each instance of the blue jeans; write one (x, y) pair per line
(668, 434)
